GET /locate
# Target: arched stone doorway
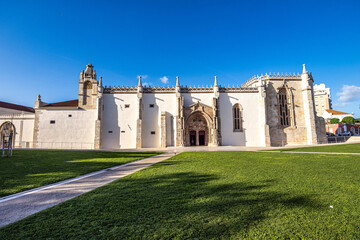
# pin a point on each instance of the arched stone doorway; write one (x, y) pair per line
(196, 130)
(7, 131)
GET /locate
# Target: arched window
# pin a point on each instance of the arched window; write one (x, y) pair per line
(237, 118)
(87, 92)
(286, 115)
(87, 85)
(7, 134)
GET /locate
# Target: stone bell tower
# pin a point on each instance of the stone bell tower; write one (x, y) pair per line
(88, 88)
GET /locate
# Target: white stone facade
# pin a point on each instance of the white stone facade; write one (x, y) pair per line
(268, 110)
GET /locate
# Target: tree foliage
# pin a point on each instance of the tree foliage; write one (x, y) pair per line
(334, 120)
(348, 120)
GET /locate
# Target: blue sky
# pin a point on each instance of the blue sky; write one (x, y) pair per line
(45, 44)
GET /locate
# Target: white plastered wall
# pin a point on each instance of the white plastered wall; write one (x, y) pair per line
(77, 131)
(163, 102)
(119, 123)
(204, 98)
(250, 136)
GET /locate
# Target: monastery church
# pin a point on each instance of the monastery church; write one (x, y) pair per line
(267, 110)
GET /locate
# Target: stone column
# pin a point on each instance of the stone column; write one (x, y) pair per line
(98, 121)
(21, 131)
(179, 115)
(163, 130)
(139, 108)
(264, 127)
(216, 128)
(309, 109)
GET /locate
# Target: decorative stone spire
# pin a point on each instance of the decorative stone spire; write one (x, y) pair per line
(39, 97)
(216, 88)
(140, 88)
(177, 87)
(306, 79)
(304, 69)
(100, 82)
(140, 82)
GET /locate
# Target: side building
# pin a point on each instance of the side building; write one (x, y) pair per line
(322, 97)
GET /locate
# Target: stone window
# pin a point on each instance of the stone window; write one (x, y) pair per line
(283, 108)
(237, 118)
(69, 115)
(152, 132)
(87, 92)
(151, 105)
(52, 121)
(127, 105)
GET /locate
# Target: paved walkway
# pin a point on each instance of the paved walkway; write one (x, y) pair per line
(18, 206)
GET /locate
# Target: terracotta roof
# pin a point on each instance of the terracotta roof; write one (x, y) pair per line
(334, 112)
(72, 103)
(16, 107)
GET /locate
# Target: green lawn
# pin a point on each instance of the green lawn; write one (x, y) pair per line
(214, 195)
(29, 169)
(341, 148)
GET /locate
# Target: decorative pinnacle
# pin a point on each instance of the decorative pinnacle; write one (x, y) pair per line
(140, 83)
(216, 82)
(304, 69)
(177, 81)
(100, 82)
(39, 97)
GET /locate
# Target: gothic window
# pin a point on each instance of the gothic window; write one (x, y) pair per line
(237, 118)
(88, 85)
(285, 108)
(7, 134)
(87, 92)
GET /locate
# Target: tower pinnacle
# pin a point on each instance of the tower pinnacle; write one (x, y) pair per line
(140, 82)
(304, 69)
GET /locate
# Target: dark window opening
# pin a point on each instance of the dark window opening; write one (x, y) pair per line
(69, 115)
(52, 121)
(152, 132)
(110, 131)
(283, 108)
(122, 131)
(237, 118)
(127, 105)
(152, 105)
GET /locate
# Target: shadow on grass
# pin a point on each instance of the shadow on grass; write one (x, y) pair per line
(34, 168)
(175, 205)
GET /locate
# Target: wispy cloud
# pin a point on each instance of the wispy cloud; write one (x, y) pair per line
(164, 79)
(348, 94)
(143, 77)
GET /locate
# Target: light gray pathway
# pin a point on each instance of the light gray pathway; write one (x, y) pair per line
(18, 206)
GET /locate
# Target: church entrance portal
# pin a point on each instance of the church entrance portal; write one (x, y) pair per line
(197, 130)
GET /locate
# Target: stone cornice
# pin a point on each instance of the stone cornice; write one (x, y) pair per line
(17, 116)
(172, 89)
(273, 76)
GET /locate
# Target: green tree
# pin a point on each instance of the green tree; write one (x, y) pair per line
(334, 120)
(348, 120)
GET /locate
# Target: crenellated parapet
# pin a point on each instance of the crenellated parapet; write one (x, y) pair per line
(182, 89)
(273, 76)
